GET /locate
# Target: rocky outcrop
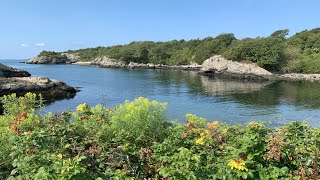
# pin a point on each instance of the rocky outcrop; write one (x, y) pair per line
(72, 57)
(219, 65)
(299, 77)
(107, 62)
(50, 89)
(62, 58)
(7, 71)
(48, 60)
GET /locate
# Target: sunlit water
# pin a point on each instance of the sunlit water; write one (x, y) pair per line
(230, 101)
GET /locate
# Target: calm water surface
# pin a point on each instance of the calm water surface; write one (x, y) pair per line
(229, 101)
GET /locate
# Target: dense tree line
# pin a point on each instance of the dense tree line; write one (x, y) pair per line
(298, 53)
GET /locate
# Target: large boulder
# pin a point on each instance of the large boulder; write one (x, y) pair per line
(7, 71)
(50, 89)
(219, 65)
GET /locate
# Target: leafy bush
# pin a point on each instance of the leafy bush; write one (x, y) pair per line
(135, 141)
(266, 52)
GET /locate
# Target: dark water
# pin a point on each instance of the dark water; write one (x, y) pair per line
(230, 101)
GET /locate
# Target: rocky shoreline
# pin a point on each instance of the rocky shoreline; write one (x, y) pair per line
(50, 89)
(214, 66)
(17, 81)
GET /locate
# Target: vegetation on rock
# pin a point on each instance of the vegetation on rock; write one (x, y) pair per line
(53, 54)
(135, 141)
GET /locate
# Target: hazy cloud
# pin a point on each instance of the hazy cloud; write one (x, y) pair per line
(24, 45)
(40, 44)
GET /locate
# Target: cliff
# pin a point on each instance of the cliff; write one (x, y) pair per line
(58, 58)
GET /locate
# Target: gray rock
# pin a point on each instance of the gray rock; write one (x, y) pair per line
(107, 62)
(219, 65)
(50, 89)
(47, 60)
(66, 58)
(299, 77)
(7, 71)
(73, 57)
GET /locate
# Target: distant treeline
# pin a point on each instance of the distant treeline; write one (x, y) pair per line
(298, 53)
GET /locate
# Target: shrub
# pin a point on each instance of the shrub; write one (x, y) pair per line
(135, 141)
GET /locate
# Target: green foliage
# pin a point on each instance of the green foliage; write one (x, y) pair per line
(298, 53)
(280, 33)
(140, 122)
(266, 52)
(53, 54)
(305, 63)
(135, 141)
(172, 52)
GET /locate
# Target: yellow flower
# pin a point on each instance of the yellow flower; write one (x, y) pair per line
(200, 141)
(82, 107)
(238, 164)
(59, 156)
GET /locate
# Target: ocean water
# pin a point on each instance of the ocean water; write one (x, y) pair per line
(230, 101)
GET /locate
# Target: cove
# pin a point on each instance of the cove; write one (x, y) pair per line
(227, 100)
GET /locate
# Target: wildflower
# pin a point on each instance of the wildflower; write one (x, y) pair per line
(59, 156)
(202, 137)
(213, 124)
(200, 141)
(254, 124)
(184, 134)
(82, 108)
(238, 164)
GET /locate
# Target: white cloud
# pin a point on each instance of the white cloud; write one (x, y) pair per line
(24, 45)
(40, 44)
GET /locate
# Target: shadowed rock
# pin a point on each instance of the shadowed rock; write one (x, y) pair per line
(7, 71)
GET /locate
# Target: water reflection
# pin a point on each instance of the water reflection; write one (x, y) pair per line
(228, 100)
(254, 93)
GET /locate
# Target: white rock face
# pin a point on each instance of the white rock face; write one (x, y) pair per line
(72, 56)
(107, 62)
(46, 60)
(218, 64)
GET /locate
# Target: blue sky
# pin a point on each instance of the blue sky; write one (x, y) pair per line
(30, 26)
